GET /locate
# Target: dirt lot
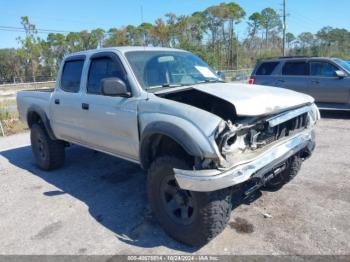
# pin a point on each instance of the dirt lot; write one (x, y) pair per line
(97, 204)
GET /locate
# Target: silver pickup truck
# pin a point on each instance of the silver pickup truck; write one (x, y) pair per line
(198, 137)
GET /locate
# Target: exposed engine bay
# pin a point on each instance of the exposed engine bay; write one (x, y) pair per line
(238, 137)
(201, 100)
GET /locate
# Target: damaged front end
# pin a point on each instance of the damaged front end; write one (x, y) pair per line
(252, 147)
(244, 139)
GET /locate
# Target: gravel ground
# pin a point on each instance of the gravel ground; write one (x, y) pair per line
(97, 204)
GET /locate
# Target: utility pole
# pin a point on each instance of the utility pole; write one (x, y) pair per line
(141, 12)
(284, 29)
(143, 34)
(237, 50)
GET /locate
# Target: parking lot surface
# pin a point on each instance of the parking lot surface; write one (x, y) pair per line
(97, 204)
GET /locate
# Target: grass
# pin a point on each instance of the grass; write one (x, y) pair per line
(13, 126)
(9, 118)
(8, 111)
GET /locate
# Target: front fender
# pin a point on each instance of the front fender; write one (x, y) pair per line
(185, 133)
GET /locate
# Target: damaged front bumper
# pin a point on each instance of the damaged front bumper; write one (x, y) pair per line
(214, 179)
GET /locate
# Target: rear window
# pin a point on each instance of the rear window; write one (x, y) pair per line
(71, 75)
(300, 68)
(266, 68)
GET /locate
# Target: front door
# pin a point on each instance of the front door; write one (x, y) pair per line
(110, 122)
(325, 85)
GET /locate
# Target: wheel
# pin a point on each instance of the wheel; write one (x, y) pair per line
(292, 169)
(49, 154)
(193, 218)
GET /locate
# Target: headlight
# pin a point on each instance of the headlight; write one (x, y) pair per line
(314, 114)
(220, 128)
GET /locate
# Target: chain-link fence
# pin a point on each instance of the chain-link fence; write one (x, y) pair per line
(241, 75)
(27, 79)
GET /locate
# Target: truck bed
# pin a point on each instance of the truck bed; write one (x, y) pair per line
(50, 90)
(34, 97)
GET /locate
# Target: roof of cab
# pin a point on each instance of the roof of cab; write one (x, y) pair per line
(123, 49)
(296, 58)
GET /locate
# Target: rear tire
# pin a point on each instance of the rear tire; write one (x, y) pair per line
(292, 169)
(193, 218)
(48, 154)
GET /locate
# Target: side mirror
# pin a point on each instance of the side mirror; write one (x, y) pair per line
(114, 86)
(340, 73)
(221, 75)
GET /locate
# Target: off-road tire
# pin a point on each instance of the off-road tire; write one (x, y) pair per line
(49, 154)
(292, 169)
(211, 209)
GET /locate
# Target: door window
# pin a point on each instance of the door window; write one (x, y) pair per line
(100, 68)
(71, 75)
(299, 68)
(266, 68)
(323, 69)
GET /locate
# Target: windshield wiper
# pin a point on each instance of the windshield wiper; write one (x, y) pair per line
(210, 81)
(171, 85)
(167, 85)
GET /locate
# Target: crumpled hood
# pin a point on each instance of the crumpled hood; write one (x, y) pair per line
(255, 100)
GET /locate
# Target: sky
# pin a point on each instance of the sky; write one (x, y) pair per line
(77, 15)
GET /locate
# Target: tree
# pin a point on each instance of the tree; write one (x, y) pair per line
(171, 24)
(30, 51)
(254, 26)
(255, 21)
(270, 21)
(160, 33)
(10, 65)
(97, 37)
(333, 41)
(117, 37)
(233, 13)
(53, 49)
(144, 30)
(289, 39)
(306, 39)
(209, 33)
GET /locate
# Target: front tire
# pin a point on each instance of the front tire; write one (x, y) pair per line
(48, 154)
(193, 218)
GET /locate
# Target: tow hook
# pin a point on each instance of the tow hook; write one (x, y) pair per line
(261, 181)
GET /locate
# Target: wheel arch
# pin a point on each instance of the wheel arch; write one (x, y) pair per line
(156, 133)
(37, 115)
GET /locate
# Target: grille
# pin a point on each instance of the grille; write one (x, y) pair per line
(272, 134)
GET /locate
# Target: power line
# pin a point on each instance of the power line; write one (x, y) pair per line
(41, 30)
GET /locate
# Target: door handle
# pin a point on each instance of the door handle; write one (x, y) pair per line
(57, 101)
(281, 80)
(85, 106)
(315, 81)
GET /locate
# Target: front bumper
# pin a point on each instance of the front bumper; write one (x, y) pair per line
(214, 179)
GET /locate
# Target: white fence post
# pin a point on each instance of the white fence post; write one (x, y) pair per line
(2, 129)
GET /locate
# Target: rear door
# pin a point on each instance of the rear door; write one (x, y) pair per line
(65, 104)
(325, 85)
(295, 76)
(265, 74)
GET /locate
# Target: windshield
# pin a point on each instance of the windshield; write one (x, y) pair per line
(343, 64)
(165, 69)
